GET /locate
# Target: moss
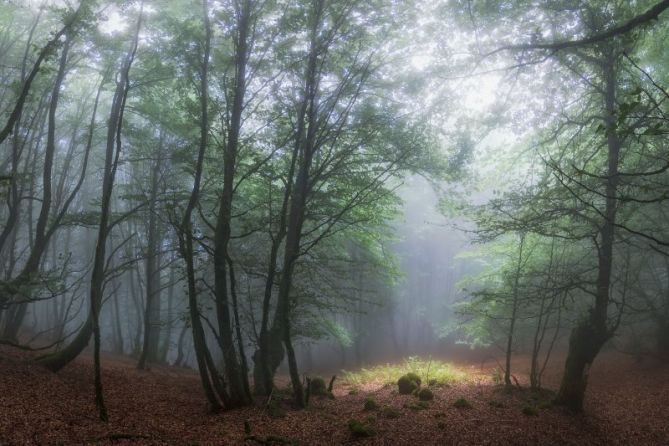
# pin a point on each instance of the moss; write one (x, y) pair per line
(440, 415)
(530, 411)
(353, 392)
(390, 413)
(462, 403)
(360, 429)
(414, 377)
(420, 405)
(371, 404)
(317, 386)
(406, 385)
(425, 394)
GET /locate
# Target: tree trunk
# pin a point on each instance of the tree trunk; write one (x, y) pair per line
(41, 235)
(185, 232)
(233, 369)
(590, 335)
(514, 314)
(180, 346)
(152, 305)
(169, 325)
(58, 360)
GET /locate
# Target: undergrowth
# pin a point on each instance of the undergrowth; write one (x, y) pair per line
(430, 371)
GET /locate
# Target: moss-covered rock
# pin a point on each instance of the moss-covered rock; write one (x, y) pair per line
(360, 429)
(407, 385)
(371, 404)
(414, 377)
(425, 394)
(390, 413)
(462, 403)
(419, 405)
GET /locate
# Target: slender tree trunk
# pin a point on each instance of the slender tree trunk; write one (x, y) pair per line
(41, 235)
(58, 360)
(180, 347)
(514, 313)
(590, 335)
(152, 309)
(169, 325)
(13, 197)
(305, 147)
(185, 233)
(234, 370)
(270, 351)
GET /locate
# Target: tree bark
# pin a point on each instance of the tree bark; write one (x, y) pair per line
(514, 314)
(185, 233)
(236, 378)
(590, 335)
(152, 305)
(41, 235)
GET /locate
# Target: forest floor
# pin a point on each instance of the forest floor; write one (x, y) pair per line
(626, 405)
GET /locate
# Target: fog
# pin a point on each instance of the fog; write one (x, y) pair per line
(255, 196)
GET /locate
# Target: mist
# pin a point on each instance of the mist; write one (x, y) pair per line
(333, 221)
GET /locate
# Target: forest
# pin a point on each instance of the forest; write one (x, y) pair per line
(306, 222)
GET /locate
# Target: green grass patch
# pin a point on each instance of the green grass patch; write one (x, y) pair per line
(431, 371)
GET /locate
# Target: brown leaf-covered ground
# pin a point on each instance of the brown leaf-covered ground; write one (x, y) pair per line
(626, 405)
